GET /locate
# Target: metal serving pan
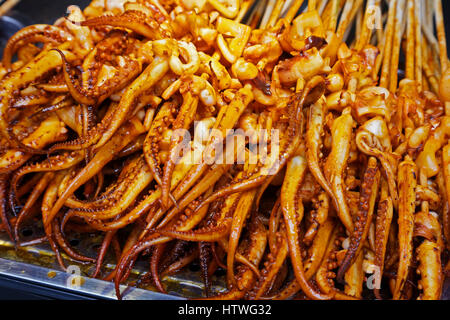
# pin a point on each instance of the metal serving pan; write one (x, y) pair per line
(32, 272)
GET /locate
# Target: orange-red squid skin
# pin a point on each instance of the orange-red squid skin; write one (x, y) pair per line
(382, 228)
(26, 211)
(245, 277)
(32, 34)
(337, 161)
(292, 208)
(132, 19)
(368, 195)
(407, 177)
(313, 141)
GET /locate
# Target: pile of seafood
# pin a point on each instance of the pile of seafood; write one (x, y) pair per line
(349, 200)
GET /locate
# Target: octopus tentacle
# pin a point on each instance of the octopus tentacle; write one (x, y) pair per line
(240, 215)
(130, 130)
(85, 141)
(313, 141)
(254, 253)
(354, 277)
(48, 201)
(406, 208)
(430, 270)
(376, 129)
(40, 65)
(316, 254)
(208, 234)
(32, 199)
(59, 237)
(138, 179)
(158, 252)
(292, 208)
(50, 130)
(102, 252)
(96, 95)
(34, 33)
(147, 79)
(131, 19)
(336, 163)
(204, 249)
(53, 163)
(319, 216)
(273, 266)
(368, 195)
(382, 227)
(183, 121)
(150, 147)
(324, 273)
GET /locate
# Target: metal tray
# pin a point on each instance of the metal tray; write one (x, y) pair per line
(36, 266)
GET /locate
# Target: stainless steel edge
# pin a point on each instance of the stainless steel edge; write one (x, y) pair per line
(72, 282)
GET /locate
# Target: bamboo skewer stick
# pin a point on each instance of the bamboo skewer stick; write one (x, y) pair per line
(275, 13)
(441, 36)
(290, 15)
(395, 53)
(345, 17)
(366, 30)
(256, 15)
(442, 44)
(379, 28)
(321, 7)
(409, 71)
(312, 5)
(8, 5)
(245, 6)
(345, 30)
(267, 12)
(332, 22)
(287, 5)
(359, 23)
(429, 73)
(418, 42)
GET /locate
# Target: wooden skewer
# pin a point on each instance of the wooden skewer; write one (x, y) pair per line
(287, 5)
(395, 53)
(380, 31)
(312, 5)
(441, 36)
(332, 22)
(8, 5)
(275, 13)
(345, 17)
(256, 15)
(409, 71)
(359, 23)
(427, 69)
(290, 15)
(366, 31)
(418, 41)
(245, 6)
(321, 7)
(345, 30)
(442, 44)
(267, 12)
